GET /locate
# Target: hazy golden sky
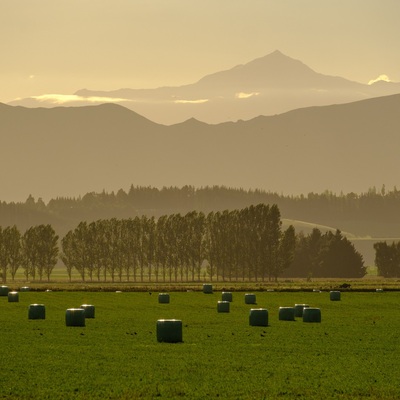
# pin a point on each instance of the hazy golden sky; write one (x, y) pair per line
(60, 46)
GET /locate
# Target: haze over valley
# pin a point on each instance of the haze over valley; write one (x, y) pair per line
(269, 85)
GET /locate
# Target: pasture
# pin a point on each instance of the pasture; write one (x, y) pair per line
(353, 353)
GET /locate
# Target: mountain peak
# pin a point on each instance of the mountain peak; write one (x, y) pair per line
(278, 59)
(275, 70)
(277, 53)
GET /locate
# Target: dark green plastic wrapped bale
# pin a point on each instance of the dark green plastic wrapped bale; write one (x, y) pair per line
(250, 298)
(207, 288)
(163, 298)
(13, 297)
(75, 317)
(298, 309)
(169, 330)
(4, 290)
(37, 311)
(223, 306)
(227, 296)
(311, 315)
(286, 313)
(258, 317)
(89, 310)
(334, 295)
(25, 289)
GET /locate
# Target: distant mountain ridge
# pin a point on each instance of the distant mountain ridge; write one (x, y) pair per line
(269, 85)
(67, 151)
(274, 71)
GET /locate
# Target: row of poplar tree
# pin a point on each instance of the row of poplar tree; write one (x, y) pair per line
(229, 245)
(245, 244)
(36, 251)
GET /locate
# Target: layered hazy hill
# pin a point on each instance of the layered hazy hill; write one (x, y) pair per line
(269, 85)
(63, 151)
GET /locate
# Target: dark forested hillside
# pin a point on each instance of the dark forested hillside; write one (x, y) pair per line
(374, 213)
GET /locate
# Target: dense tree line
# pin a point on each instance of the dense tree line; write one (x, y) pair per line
(246, 244)
(319, 255)
(387, 259)
(36, 251)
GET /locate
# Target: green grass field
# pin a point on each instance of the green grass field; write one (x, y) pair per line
(353, 353)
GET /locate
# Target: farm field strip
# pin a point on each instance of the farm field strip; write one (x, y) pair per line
(352, 353)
